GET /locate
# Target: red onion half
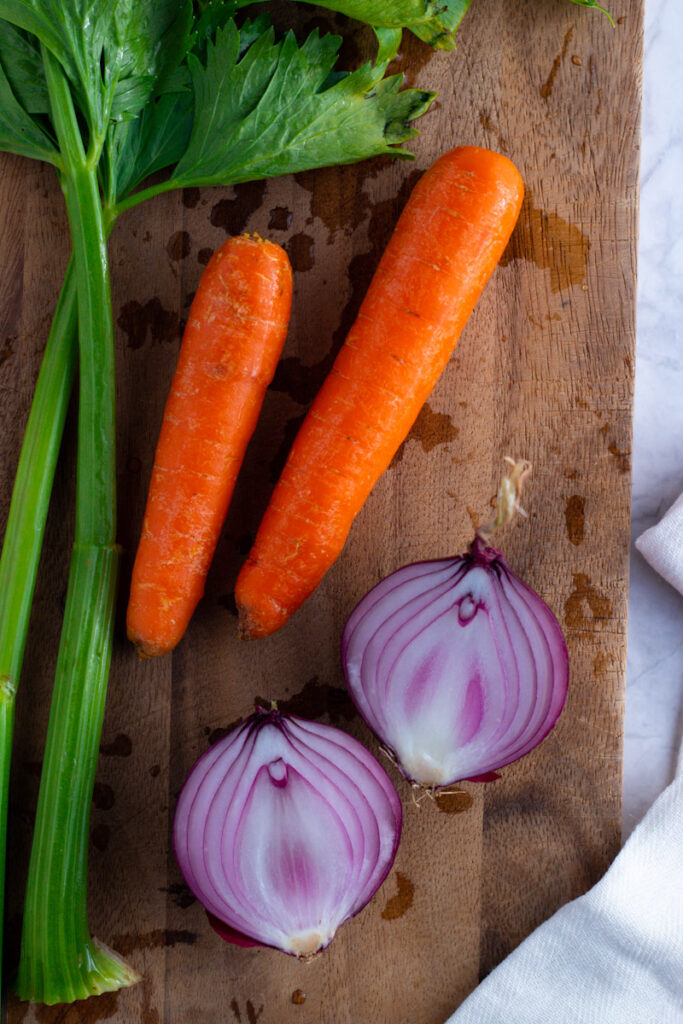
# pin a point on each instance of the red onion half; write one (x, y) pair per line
(457, 666)
(284, 829)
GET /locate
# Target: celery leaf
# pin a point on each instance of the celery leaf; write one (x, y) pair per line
(19, 132)
(156, 140)
(434, 21)
(113, 51)
(23, 65)
(278, 108)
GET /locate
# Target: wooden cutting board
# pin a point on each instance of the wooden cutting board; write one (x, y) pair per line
(544, 370)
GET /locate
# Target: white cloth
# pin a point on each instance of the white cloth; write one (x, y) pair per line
(662, 545)
(615, 955)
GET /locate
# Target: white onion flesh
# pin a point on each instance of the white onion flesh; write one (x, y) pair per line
(284, 829)
(456, 665)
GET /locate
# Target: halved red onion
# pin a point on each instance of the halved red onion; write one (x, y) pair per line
(283, 830)
(456, 665)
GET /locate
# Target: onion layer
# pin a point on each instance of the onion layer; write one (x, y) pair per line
(283, 830)
(456, 665)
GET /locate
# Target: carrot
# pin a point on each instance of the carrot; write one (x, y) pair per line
(445, 246)
(230, 349)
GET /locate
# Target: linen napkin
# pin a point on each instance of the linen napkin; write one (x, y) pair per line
(615, 955)
(662, 545)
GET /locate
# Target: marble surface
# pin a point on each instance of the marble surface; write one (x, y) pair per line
(654, 675)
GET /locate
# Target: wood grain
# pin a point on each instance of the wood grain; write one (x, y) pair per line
(544, 370)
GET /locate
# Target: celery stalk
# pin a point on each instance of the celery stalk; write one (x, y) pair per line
(59, 959)
(30, 500)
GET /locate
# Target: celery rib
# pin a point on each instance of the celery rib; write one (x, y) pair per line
(60, 961)
(26, 524)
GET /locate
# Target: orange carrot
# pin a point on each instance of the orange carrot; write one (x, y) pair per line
(444, 248)
(230, 349)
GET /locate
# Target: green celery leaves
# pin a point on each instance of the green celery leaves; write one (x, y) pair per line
(273, 112)
(23, 94)
(155, 141)
(113, 51)
(434, 21)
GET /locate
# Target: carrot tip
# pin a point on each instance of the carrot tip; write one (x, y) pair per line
(146, 650)
(247, 628)
(251, 627)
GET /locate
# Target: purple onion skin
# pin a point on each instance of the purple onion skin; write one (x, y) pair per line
(283, 830)
(457, 666)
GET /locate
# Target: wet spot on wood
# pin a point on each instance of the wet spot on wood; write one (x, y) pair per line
(222, 731)
(529, 801)
(585, 598)
(180, 894)
(298, 997)
(100, 837)
(278, 461)
(280, 218)
(134, 465)
(85, 1011)
(430, 429)
(547, 87)
(204, 255)
(402, 899)
(191, 197)
(120, 746)
(228, 602)
(454, 803)
(243, 543)
(252, 1013)
(336, 198)
(488, 126)
(412, 58)
(149, 1015)
(623, 458)
(299, 381)
(300, 251)
(178, 246)
(7, 350)
(233, 214)
(158, 938)
(575, 518)
(551, 243)
(316, 700)
(155, 770)
(600, 665)
(138, 321)
(103, 796)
